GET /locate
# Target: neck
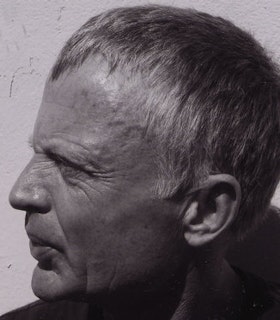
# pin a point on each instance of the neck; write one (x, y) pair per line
(209, 292)
(212, 292)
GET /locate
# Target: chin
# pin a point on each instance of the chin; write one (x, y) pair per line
(50, 286)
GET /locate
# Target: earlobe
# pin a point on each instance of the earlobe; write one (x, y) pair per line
(212, 210)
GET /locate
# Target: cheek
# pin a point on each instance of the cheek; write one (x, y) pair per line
(85, 226)
(142, 245)
(90, 245)
(119, 239)
(72, 220)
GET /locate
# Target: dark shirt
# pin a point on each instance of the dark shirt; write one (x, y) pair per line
(60, 310)
(260, 298)
(260, 302)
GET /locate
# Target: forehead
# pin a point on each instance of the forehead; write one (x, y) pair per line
(88, 107)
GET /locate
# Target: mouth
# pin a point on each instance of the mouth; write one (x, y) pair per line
(42, 251)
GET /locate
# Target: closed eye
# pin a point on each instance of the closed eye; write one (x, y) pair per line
(69, 167)
(62, 161)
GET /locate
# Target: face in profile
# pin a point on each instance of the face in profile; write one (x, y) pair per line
(94, 222)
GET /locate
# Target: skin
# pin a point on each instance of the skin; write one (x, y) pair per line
(95, 224)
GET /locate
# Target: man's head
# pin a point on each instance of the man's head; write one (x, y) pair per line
(206, 89)
(152, 121)
(94, 222)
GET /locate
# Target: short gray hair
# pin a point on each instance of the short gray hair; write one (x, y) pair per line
(212, 99)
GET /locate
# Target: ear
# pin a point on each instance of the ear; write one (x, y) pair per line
(212, 209)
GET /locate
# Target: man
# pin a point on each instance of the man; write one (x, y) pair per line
(155, 148)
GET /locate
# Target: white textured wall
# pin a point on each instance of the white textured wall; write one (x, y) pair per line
(31, 34)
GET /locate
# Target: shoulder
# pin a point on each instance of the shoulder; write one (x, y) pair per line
(261, 298)
(41, 310)
(272, 314)
(272, 291)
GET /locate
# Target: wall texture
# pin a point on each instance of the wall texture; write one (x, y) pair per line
(31, 34)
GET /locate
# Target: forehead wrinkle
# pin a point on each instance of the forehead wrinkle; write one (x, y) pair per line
(102, 114)
(67, 144)
(84, 151)
(72, 95)
(103, 88)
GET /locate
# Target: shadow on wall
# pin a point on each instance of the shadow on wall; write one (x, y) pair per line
(259, 253)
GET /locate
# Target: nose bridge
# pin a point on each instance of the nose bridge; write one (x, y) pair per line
(29, 192)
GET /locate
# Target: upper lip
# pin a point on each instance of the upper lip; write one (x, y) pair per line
(39, 241)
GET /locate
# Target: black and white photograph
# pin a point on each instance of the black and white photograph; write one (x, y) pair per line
(140, 160)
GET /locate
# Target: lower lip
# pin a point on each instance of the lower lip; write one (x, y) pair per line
(43, 254)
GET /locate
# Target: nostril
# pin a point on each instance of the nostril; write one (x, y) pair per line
(27, 216)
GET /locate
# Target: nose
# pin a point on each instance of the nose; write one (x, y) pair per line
(28, 193)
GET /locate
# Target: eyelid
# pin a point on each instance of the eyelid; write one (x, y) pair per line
(59, 159)
(67, 163)
(91, 169)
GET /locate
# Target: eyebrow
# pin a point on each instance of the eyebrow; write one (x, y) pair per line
(77, 159)
(83, 160)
